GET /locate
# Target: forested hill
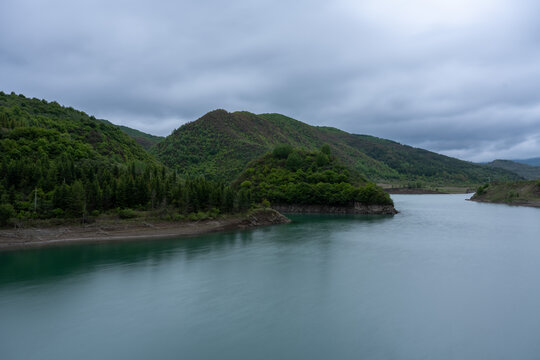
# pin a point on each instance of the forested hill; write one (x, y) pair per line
(58, 162)
(31, 129)
(220, 144)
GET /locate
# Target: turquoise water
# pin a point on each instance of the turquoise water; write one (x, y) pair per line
(444, 279)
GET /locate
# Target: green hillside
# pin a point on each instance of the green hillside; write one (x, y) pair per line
(513, 193)
(58, 162)
(143, 139)
(33, 128)
(219, 145)
(300, 177)
(527, 172)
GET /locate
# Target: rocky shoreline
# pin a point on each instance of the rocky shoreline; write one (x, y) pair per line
(141, 229)
(412, 191)
(132, 230)
(358, 208)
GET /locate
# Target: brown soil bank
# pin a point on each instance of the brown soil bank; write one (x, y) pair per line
(327, 209)
(132, 230)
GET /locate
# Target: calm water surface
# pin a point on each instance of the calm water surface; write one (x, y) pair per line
(444, 279)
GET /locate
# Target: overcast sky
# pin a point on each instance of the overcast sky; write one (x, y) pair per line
(459, 77)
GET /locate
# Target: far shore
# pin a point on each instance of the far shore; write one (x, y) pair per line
(513, 203)
(413, 191)
(137, 229)
(420, 191)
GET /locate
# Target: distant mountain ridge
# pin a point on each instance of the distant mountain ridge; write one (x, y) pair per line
(528, 172)
(220, 144)
(531, 162)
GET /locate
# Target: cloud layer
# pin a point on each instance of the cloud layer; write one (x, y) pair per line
(453, 76)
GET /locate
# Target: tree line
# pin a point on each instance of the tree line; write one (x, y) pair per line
(65, 188)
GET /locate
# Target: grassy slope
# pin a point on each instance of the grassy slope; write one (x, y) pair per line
(528, 172)
(220, 144)
(514, 192)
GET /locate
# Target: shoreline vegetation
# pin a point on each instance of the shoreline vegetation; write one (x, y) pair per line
(515, 193)
(110, 230)
(41, 233)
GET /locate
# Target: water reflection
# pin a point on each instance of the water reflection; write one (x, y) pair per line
(444, 279)
(64, 260)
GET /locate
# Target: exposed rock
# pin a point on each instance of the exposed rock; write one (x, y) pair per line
(358, 208)
(262, 217)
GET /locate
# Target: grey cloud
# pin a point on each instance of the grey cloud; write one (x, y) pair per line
(459, 78)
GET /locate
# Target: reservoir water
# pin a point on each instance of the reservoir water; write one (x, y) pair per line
(444, 279)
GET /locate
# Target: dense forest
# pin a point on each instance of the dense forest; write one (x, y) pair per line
(221, 144)
(59, 162)
(296, 176)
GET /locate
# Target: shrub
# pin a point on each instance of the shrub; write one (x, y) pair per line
(200, 215)
(127, 213)
(6, 212)
(325, 149)
(282, 151)
(294, 161)
(58, 213)
(482, 189)
(322, 159)
(372, 194)
(213, 213)
(245, 184)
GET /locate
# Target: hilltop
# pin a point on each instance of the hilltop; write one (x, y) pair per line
(220, 144)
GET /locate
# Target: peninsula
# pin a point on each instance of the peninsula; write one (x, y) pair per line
(521, 193)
